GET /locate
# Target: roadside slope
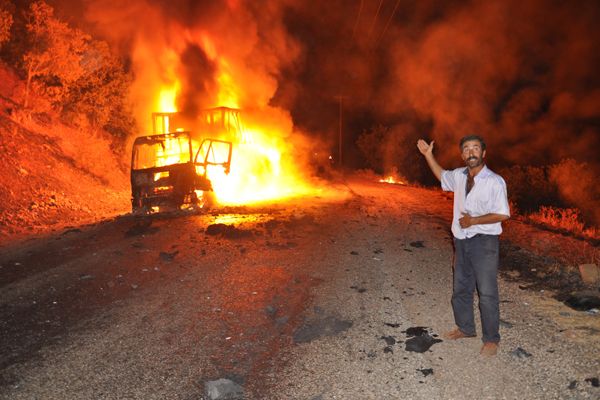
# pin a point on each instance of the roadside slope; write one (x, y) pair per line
(48, 182)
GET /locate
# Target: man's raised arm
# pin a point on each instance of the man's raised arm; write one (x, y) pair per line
(427, 151)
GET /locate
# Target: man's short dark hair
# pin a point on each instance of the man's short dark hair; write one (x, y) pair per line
(472, 137)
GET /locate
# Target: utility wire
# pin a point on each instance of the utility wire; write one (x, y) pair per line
(375, 19)
(389, 21)
(362, 2)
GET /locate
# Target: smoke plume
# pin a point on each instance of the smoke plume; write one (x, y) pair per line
(520, 73)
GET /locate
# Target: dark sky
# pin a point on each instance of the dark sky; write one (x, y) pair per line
(522, 73)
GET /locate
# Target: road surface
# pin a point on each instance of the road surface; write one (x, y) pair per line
(305, 299)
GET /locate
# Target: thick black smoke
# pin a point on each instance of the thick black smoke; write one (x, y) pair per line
(523, 73)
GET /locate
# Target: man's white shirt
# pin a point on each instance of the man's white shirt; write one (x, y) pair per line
(488, 196)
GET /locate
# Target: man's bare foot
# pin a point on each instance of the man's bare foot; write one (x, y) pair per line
(456, 334)
(489, 349)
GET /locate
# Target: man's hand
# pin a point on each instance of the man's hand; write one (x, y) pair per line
(425, 148)
(427, 151)
(466, 221)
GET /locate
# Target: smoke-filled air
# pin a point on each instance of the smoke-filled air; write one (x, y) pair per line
(355, 83)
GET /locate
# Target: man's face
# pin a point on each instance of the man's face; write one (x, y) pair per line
(472, 154)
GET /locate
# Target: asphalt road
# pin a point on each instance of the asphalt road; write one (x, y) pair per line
(307, 299)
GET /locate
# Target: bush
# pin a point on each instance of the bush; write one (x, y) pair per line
(567, 219)
(6, 21)
(394, 151)
(562, 195)
(529, 188)
(577, 186)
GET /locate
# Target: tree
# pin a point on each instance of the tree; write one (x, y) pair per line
(55, 52)
(6, 21)
(386, 149)
(101, 90)
(369, 143)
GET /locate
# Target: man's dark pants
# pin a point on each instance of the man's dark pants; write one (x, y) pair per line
(476, 267)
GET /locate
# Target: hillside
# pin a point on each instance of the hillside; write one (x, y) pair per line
(53, 176)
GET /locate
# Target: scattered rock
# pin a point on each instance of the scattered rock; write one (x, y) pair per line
(390, 340)
(270, 310)
(426, 371)
(420, 344)
(228, 231)
(164, 256)
(505, 324)
(354, 253)
(72, 230)
(143, 227)
(519, 352)
(392, 325)
(513, 274)
(223, 389)
(281, 246)
(416, 331)
(388, 349)
(590, 273)
(86, 277)
(358, 289)
(593, 381)
(572, 385)
(420, 341)
(583, 301)
(328, 326)
(564, 314)
(418, 244)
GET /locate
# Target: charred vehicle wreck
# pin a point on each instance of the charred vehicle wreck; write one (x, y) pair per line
(166, 174)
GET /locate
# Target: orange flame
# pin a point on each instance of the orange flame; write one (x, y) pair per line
(166, 98)
(392, 179)
(261, 165)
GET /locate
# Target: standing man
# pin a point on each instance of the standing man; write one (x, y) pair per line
(480, 205)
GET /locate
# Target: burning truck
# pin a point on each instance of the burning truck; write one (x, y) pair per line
(168, 169)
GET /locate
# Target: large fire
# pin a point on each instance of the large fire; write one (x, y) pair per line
(193, 69)
(259, 168)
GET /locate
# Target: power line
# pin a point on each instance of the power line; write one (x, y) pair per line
(389, 21)
(362, 2)
(375, 19)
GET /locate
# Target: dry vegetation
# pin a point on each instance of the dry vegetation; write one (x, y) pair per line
(64, 113)
(562, 196)
(63, 124)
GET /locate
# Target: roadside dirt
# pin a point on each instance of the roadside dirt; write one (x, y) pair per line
(305, 299)
(53, 176)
